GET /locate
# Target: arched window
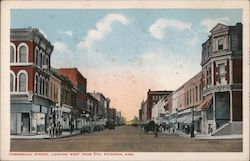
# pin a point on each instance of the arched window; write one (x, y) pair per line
(40, 59)
(22, 81)
(23, 53)
(12, 53)
(36, 84)
(12, 81)
(43, 87)
(36, 56)
(44, 58)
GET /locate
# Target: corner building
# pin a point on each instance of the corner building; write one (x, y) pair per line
(222, 77)
(30, 54)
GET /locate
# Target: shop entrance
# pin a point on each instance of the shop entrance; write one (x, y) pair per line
(25, 123)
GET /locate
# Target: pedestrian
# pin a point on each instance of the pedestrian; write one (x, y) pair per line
(49, 130)
(156, 129)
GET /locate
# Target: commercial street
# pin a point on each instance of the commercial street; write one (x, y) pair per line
(125, 139)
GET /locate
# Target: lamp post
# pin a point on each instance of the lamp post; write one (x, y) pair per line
(192, 126)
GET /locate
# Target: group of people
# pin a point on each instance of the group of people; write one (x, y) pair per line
(55, 130)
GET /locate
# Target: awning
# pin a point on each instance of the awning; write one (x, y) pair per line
(188, 119)
(205, 103)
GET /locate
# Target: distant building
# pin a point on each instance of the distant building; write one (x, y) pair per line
(112, 114)
(152, 98)
(103, 105)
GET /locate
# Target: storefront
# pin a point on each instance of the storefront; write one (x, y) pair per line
(28, 118)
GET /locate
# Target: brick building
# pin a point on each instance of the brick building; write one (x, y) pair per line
(152, 98)
(222, 76)
(80, 85)
(30, 54)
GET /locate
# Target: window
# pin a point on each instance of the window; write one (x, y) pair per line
(36, 84)
(36, 56)
(22, 82)
(220, 44)
(12, 82)
(41, 85)
(222, 73)
(196, 93)
(40, 59)
(23, 54)
(47, 85)
(12, 54)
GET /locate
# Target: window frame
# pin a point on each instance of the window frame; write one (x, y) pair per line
(14, 46)
(18, 81)
(14, 81)
(18, 52)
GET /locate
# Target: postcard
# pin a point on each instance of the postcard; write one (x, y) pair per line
(125, 80)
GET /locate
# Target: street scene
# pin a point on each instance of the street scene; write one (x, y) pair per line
(116, 81)
(126, 139)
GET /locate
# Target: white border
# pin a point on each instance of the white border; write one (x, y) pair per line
(5, 101)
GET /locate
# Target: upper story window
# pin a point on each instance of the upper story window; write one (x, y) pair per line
(12, 54)
(222, 73)
(12, 81)
(36, 84)
(23, 54)
(40, 59)
(22, 81)
(220, 44)
(36, 56)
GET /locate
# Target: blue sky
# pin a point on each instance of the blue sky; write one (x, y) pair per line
(124, 52)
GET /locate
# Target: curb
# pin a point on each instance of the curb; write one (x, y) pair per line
(44, 137)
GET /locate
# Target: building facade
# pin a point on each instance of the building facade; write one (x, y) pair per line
(30, 54)
(79, 85)
(222, 76)
(152, 98)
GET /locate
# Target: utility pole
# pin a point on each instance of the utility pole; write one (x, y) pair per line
(192, 126)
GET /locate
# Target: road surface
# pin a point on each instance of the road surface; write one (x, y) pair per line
(125, 139)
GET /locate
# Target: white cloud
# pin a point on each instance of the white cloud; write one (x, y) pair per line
(158, 28)
(209, 23)
(43, 33)
(60, 47)
(103, 27)
(69, 33)
(194, 40)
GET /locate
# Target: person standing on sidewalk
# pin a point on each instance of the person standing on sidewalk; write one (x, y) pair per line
(156, 130)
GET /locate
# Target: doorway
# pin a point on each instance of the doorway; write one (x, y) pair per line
(25, 123)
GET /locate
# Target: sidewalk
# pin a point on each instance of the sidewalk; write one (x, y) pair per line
(204, 136)
(43, 136)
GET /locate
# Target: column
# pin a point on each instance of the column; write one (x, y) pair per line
(231, 105)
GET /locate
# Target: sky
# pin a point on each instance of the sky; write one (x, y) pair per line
(125, 52)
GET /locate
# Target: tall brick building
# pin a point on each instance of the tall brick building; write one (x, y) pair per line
(30, 54)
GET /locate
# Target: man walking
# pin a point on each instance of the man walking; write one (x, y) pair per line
(156, 129)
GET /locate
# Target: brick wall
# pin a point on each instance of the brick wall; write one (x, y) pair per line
(237, 105)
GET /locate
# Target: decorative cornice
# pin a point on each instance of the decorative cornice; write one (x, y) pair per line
(31, 34)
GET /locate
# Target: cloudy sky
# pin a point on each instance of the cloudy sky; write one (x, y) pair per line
(123, 53)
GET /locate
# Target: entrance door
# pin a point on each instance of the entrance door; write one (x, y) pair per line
(26, 123)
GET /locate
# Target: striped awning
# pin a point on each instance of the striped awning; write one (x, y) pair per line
(205, 103)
